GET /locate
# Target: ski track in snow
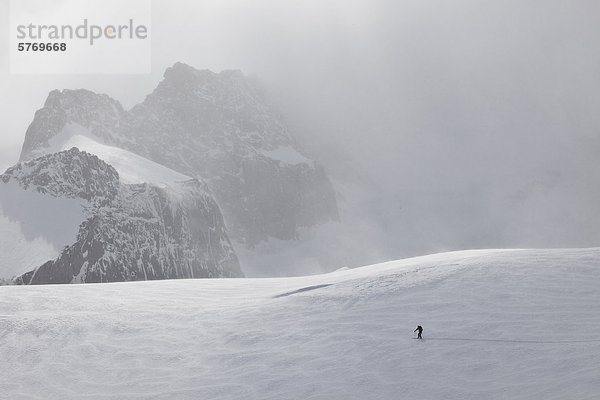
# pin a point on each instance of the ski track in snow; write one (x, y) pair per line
(499, 324)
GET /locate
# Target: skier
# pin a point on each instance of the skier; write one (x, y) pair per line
(420, 329)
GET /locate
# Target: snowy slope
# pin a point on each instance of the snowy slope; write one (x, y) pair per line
(516, 324)
(131, 167)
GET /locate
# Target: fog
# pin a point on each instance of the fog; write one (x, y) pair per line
(443, 124)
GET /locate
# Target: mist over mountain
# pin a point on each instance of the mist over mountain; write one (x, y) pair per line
(214, 127)
(441, 126)
(279, 205)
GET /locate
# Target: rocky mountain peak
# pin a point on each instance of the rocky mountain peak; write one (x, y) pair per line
(71, 173)
(98, 113)
(129, 231)
(214, 126)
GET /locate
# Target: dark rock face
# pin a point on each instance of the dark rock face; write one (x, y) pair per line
(69, 173)
(133, 232)
(98, 112)
(215, 127)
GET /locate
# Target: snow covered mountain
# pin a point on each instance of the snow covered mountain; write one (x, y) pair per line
(207, 125)
(499, 324)
(135, 231)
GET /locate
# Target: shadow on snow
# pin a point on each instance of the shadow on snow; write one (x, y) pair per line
(304, 289)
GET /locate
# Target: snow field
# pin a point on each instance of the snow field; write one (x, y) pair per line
(499, 324)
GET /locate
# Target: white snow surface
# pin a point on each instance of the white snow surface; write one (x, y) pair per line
(131, 167)
(499, 324)
(34, 227)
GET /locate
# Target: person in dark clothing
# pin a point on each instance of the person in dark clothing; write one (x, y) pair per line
(420, 329)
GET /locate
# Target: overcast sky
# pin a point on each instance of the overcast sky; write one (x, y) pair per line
(474, 123)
